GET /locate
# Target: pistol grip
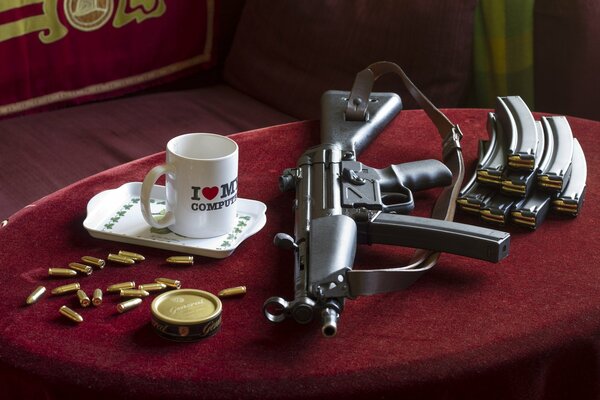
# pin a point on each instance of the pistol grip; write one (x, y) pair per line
(399, 180)
(416, 175)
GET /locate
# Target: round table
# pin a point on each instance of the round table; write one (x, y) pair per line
(526, 327)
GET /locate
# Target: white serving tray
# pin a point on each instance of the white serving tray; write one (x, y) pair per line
(116, 215)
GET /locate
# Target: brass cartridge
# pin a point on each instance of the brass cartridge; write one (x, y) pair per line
(134, 293)
(35, 295)
(71, 287)
(181, 260)
(489, 216)
(511, 187)
(97, 297)
(84, 300)
(547, 182)
(521, 161)
(566, 207)
(128, 305)
(70, 314)
(522, 219)
(62, 272)
(486, 177)
(153, 287)
(120, 259)
(117, 287)
(234, 291)
(94, 261)
(132, 255)
(84, 269)
(171, 283)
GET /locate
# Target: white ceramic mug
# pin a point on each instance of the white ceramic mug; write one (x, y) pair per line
(201, 186)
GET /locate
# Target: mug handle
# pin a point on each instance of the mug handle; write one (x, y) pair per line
(147, 185)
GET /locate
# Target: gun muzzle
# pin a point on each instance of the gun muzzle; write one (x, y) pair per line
(330, 318)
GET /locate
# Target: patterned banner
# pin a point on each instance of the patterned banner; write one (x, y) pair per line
(92, 48)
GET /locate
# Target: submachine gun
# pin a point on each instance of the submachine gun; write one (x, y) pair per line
(341, 202)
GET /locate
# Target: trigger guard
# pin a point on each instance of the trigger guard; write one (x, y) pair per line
(401, 203)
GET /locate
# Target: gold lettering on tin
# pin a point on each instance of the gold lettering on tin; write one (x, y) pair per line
(211, 326)
(160, 327)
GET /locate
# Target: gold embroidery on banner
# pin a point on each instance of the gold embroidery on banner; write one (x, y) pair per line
(120, 83)
(83, 15)
(140, 10)
(47, 24)
(88, 15)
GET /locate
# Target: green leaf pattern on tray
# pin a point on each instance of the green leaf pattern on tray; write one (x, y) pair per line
(243, 221)
(125, 208)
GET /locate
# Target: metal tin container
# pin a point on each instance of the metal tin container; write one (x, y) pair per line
(186, 315)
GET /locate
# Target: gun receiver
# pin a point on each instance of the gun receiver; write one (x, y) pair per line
(341, 202)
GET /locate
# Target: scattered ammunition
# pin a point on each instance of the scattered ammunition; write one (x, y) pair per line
(84, 300)
(97, 297)
(134, 293)
(36, 295)
(128, 305)
(117, 287)
(70, 314)
(171, 283)
(120, 259)
(180, 260)
(234, 291)
(71, 287)
(133, 256)
(93, 261)
(84, 269)
(61, 272)
(152, 287)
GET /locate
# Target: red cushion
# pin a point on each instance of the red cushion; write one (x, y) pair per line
(288, 53)
(74, 51)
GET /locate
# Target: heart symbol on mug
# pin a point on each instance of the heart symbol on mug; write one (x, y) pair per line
(210, 192)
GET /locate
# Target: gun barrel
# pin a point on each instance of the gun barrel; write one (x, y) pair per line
(330, 319)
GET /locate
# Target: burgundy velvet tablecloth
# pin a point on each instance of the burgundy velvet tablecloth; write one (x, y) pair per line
(525, 328)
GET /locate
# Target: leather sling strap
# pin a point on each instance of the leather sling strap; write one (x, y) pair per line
(367, 282)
